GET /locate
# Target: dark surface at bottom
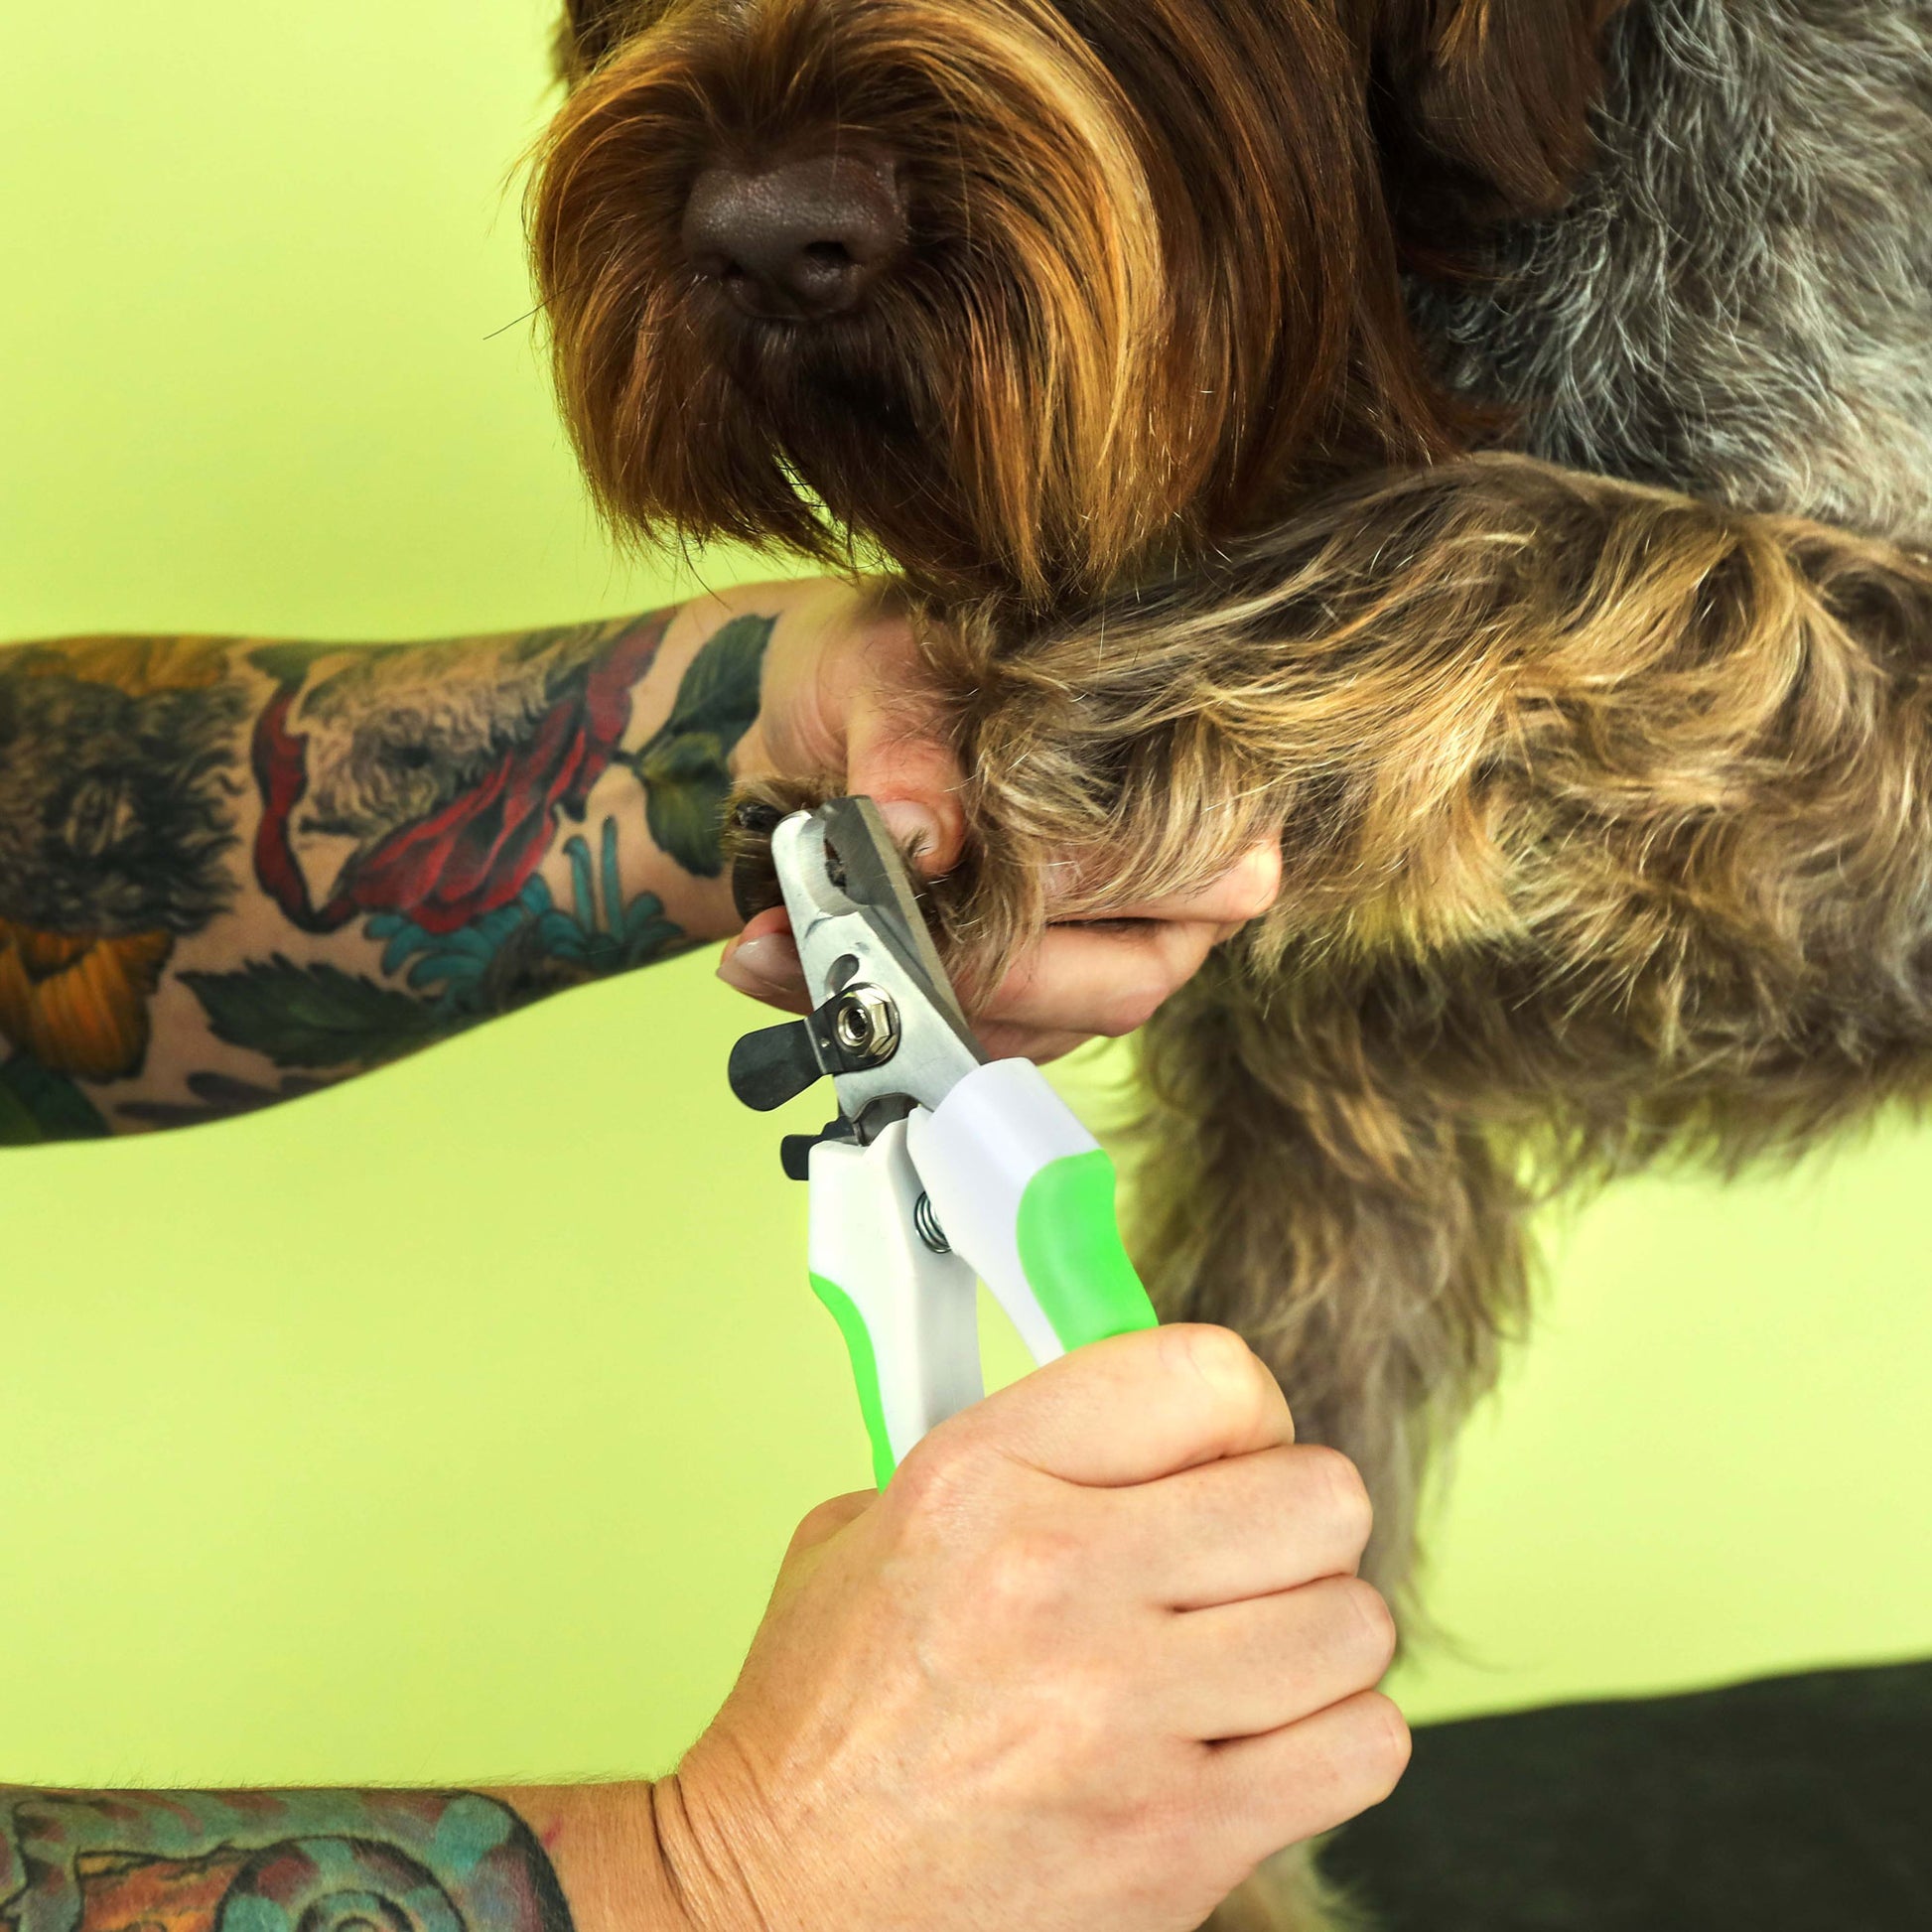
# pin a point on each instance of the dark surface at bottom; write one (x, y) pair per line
(1799, 1803)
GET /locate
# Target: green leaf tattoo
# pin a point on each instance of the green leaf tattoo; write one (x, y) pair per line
(315, 1017)
(37, 1105)
(685, 768)
(218, 1097)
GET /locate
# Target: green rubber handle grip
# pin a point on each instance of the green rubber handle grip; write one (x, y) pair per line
(1071, 1252)
(1076, 1269)
(865, 1372)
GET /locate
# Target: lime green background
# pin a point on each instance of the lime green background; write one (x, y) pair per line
(451, 1426)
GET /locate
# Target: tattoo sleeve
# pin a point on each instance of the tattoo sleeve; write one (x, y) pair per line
(234, 872)
(327, 1861)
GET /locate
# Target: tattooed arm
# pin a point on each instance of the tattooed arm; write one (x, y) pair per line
(231, 872)
(577, 1860)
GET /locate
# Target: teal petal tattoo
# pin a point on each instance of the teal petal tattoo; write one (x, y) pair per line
(533, 945)
(685, 768)
(276, 1862)
(614, 937)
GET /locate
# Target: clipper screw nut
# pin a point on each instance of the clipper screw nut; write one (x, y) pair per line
(865, 1023)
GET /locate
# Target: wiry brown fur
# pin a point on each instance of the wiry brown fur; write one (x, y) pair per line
(1153, 292)
(1607, 825)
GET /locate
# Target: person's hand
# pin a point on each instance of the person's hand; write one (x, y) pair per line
(843, 693)
(1096, 1651)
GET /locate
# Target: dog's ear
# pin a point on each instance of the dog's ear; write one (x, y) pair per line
(1482, 106)
(590, 29)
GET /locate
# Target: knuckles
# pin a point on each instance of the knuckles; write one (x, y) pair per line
(1347, 1502)
(1219, 1355)
(943, 1487)
(1032, 1574)
(1386, 1745)
(1372, 1627)
(1236, 1374)
(1158, 1826)
(1362, 1752)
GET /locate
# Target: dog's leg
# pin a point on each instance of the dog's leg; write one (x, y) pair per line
(1367, 1246)
(1300, 1186)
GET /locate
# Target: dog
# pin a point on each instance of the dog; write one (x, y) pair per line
(1035, 296)
(1485, 442)
(1026, 293)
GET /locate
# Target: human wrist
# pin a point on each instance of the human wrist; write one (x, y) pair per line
(712, 1845)
(603, 1845)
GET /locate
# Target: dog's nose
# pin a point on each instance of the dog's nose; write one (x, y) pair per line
(798, 242)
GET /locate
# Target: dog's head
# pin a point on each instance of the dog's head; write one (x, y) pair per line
(1027, 291)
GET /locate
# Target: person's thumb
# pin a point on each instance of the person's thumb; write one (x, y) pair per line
(914, 777)
(820, 1525)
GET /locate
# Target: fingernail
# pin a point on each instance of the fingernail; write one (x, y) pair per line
(763, 967)
(912, 827)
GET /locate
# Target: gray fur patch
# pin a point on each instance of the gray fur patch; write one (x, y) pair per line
(1738, 302)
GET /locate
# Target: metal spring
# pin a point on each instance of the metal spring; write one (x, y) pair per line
(927, 1223)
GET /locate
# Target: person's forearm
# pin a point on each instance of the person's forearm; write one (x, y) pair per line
(232, 871)
(578, 1859)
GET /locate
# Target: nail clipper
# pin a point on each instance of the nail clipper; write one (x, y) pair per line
(943, 1167)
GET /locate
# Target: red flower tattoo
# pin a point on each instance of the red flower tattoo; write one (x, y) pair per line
(451, 803)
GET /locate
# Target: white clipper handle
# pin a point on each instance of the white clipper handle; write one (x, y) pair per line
(982, 1155)
(909, 1317)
